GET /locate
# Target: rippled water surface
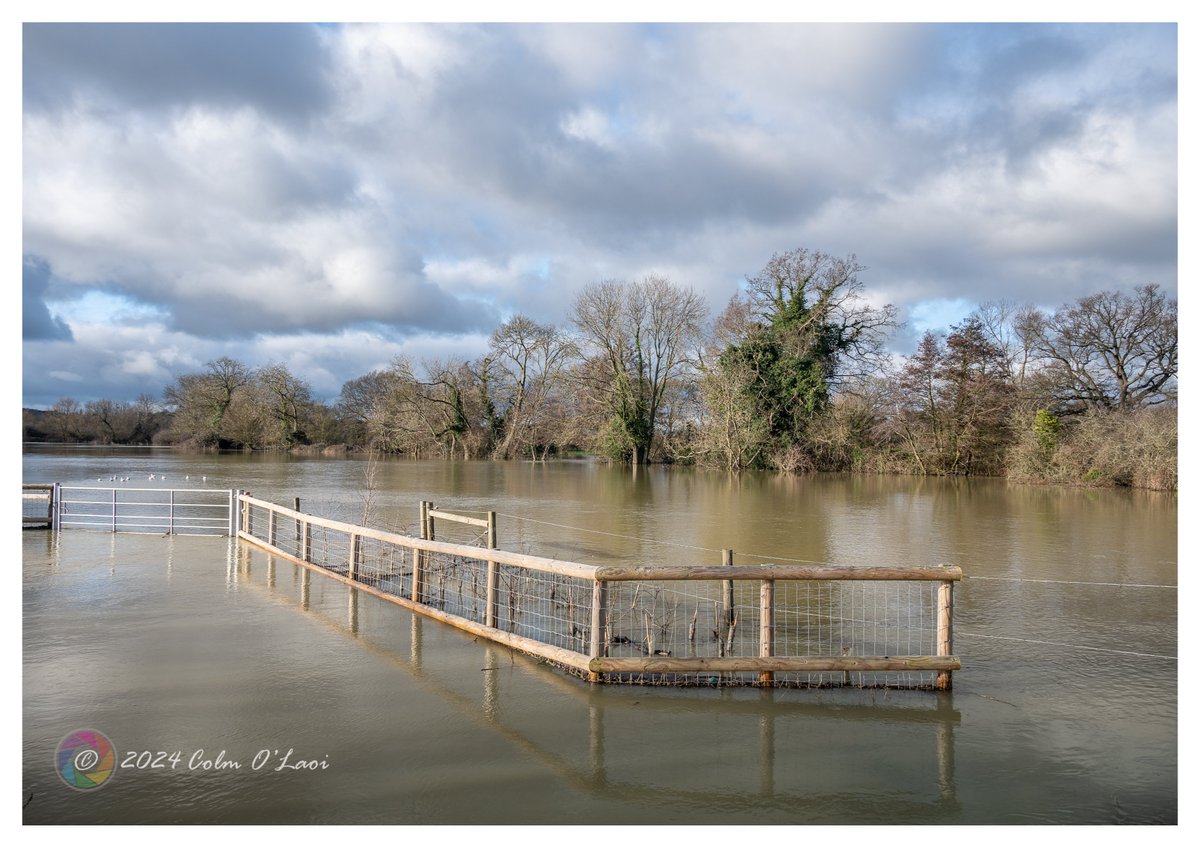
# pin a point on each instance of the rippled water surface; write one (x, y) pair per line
(1065, 710)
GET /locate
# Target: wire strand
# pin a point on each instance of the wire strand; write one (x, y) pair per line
(1066, 645)
(1075, 582)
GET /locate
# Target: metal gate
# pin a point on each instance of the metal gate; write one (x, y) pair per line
(187, 512)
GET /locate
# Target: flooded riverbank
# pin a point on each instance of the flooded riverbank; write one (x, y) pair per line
(1065, 710)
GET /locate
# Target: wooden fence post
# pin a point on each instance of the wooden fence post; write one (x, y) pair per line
(418, 558)
(945, 629)
(598, 644)
(352, 565)
(727, 589)
(766, 630)
(245, 513)
(306, 549)
(489, 610)
(271, 528)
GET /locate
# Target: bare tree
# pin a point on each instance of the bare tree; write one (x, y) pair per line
(1111, 351)
(201, 401)
(1010, 327)
(529, 360)
(641, 336)
(287, 399)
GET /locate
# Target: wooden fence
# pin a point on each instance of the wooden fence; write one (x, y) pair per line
(729, 624)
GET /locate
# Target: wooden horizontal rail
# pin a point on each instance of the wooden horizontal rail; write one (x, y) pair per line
(37, 487)
(777, 572)
(530, 646)
(602, 665)
(534, 563)
(461, 519)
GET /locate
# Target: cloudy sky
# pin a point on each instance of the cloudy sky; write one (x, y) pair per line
(328, 197)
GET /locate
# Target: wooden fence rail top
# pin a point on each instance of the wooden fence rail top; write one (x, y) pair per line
(776, 572)
(534, 563)
(461, 519)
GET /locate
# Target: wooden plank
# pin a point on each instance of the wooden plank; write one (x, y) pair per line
(562, 656)
(461, 519)
(669, 665)
(776, 572)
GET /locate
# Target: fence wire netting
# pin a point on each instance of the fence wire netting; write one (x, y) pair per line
(642, 618)
(826, 618)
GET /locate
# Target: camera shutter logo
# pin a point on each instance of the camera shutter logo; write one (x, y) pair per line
(85, 760)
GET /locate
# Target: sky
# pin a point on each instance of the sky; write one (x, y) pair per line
(328, 197)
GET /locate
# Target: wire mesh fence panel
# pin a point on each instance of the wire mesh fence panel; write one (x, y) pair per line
(887, 618)
(384, 565)
(455, 584)
(689, 618)
(552, 608)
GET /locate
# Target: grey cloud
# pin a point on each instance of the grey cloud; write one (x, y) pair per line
(277, 68)
(36, 320)
(422, 306)
(932, 163)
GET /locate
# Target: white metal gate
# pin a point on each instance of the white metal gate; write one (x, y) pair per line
(187, 512)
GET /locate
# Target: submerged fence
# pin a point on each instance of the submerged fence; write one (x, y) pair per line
(766, 625)
(37, 504)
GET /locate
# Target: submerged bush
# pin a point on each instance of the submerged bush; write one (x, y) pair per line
(1139, 449)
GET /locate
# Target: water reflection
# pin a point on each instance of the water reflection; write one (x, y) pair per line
(782, 774)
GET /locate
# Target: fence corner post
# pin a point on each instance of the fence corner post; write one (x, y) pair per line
(766, 632)
(945, 629)
(598, 644)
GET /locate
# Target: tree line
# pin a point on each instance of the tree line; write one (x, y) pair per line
(791, 375)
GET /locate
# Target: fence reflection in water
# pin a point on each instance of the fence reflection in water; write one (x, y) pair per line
(602, 758)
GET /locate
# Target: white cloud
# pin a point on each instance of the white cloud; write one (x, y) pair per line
(427, 180)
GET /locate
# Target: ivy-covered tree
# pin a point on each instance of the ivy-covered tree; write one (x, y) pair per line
(799, 329)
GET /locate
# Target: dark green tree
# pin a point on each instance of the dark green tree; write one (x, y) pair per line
(800, 328)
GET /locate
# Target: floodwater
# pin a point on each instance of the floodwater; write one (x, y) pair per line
(1065, 710)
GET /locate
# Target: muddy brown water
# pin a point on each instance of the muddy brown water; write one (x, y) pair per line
(224, 659)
